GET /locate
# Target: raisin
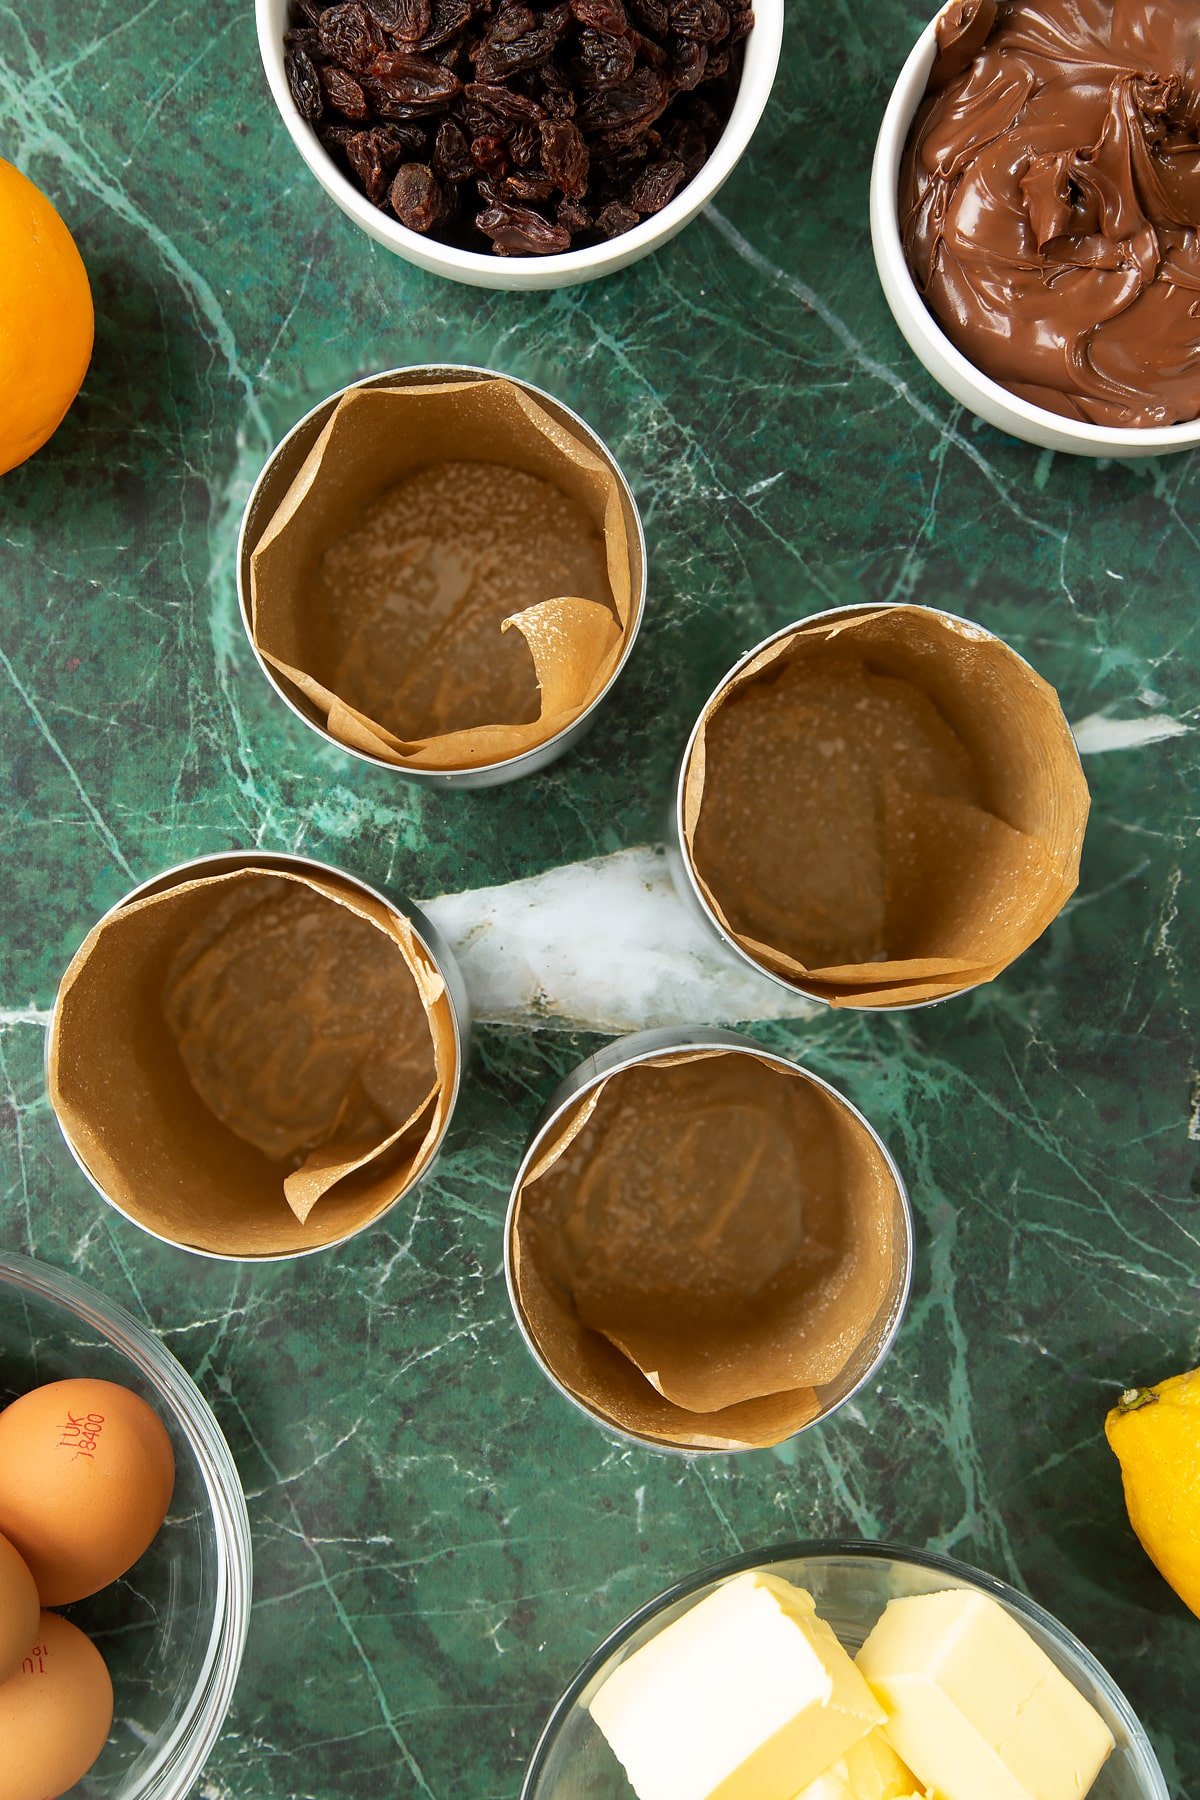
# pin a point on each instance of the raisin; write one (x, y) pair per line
(573, 216)
(406, 20)
(602, 61)
(519, 231)
(401, 143)
(343, 93)
(449, 18)
(651, 190)
(512, 22)
(689, 61)
(741, 24)
(488, 104)
(524, 144)
(601, 15)
(704, 20)
(565, 157)
(615, 218)
(498, 57)
(528, 186)
(303, 37)
(451, 153)
(336, 137)
(403, 86)
(621, 114)
(350, 36)
(363, 155)
(415, 196)
(707, 118)
(685, 142)
(303, 84)
(649, 51)
(652, 16)
(451, 56)
(489, 154)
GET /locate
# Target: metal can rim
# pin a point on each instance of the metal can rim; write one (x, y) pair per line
(509, 768)
(613, 1059)
(431, 941)
(683, 865)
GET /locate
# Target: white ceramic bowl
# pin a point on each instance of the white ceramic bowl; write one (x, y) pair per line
(947, 364)
(480, 269)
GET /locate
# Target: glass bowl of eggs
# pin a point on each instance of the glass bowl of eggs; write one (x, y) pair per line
(172, 1628)
(807, 1669)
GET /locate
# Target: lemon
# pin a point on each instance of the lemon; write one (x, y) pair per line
(1155, 1435)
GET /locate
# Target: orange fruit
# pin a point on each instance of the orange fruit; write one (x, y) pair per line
(46, 319)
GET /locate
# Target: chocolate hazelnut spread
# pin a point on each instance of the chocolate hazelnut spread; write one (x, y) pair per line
(1050, 201)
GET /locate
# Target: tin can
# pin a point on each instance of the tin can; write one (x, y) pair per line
(273, 483)
(429, 938)
(646, 1046)
(679, 859)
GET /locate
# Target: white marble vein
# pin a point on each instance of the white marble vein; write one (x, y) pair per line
(605, 945)
(1097, 733)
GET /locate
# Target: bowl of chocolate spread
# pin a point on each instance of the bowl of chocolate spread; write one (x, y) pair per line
(1035, 215)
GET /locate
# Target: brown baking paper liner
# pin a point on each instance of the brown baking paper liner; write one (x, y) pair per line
(885, 808)
(705, 1242)
(253, 1063)
(377, 437)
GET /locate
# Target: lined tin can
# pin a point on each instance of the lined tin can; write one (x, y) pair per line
(641, 1047)
(276, 477)
(679, 857)
(429, 939)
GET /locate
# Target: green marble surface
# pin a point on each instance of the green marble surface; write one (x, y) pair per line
(439, 1538)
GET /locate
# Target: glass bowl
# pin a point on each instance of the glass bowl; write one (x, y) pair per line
(173, 1630)
(851, 1584)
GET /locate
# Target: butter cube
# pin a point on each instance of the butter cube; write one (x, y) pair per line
(870, 1770)
(975, 1707)
(747, 1696)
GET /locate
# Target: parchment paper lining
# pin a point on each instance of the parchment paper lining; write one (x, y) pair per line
(121, 1090)
(377, 436)
(632, 1292)
(968, 877)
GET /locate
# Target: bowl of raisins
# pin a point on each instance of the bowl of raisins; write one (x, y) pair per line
(515, 143)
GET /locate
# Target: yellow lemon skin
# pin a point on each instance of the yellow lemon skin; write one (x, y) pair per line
(46, 319)
(1155, 1435)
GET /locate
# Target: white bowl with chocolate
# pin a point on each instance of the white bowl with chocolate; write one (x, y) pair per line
(526, 178)
(879, 807)
(442, 570)
(255, 1056)
(1057, 314)
(708, 1248)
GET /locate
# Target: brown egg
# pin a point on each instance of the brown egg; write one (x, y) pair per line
(19, 1609)
(54, 1713)
(86, 1477)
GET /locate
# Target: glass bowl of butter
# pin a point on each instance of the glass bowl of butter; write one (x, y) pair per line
(843, 1671)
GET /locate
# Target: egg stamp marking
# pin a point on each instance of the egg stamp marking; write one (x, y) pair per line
(82, 1435)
